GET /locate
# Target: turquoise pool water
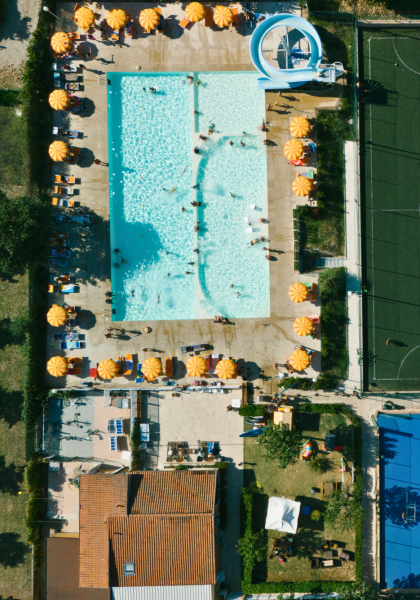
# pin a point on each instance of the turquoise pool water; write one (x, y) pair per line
(152, 173)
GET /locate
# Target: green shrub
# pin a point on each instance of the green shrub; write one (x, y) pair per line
(280, 443)
(316, 515)
(253, 410)
(319, 464)
(299, 383)
(8, 97)
(36, 481)
(182, 467)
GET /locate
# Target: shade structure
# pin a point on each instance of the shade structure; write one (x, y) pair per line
(116, 18)
(299, 126)
(57, 366)
(222, 16)
(107, 369)
(195, 12)
(149, 19)
(59, 99)
(196, 366)
(57, 316)
(293, 149)
(301, 186)
(282, 514)
(303, 326)
(298, 292)
(84, 17)
(300, 360)
(152, 368)
(58, 151)
(226, 369)
(60, 42)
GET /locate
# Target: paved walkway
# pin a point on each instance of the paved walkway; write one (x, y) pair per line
(21, 21)
(353, 266)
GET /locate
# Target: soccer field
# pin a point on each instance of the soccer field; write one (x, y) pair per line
(390, 186)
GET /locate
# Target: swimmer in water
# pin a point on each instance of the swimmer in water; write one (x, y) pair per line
(172, 191)
(132, 292)
(233, 195)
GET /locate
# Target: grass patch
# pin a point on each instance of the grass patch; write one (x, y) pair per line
(15, 552)
(295, 482)
(13, 150)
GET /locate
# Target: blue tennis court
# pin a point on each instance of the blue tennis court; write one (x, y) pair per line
(399, 443)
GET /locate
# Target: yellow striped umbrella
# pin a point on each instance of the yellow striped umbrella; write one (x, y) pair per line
(116, 18)
(222, 16)
(149, 19)
(226, 369)
(195, 12)
(107, 369)
(58, 151)
(152, 367)
(196, 366)
(84, 17)
(299, 126)
(303, 326)
(300, 360)
(57, 366)
(301, 186)
(57, 316)
(59, 99)
(293, 149)
(60, 42)
(298, 292)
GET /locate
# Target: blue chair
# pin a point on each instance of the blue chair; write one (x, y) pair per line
(140, 377)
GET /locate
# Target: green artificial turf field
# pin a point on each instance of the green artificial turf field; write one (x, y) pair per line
(390, 185)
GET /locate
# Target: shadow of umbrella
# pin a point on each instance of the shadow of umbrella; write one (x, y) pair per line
(87, 319)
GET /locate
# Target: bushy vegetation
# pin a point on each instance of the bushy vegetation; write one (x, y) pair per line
(344, 511)
(281, 444)
(253, 410)
(36, 481)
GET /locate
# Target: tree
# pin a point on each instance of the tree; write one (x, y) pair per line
(24, 232)
(343, 511)
(253, 548)
(357, 591)
(281, 443)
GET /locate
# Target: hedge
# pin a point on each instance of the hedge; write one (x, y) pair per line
(253, 410)
(36, 481)
(314, 587)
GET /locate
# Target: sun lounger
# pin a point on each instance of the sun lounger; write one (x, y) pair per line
(63, 191)
(128, 364)
(129, 29)
(113, 443)
(70, 180)
(65, 337)
(207, 358)
(74, 372)
(234, 12)
(60, 68)
(213, 363)
(300, 162)
(57, 262)
(69, 345)
(115, 35)
(116, 426)
(168, 366)
(93, 372)
(184, 22)
(140, 377)
(60, 253)
(62, 202)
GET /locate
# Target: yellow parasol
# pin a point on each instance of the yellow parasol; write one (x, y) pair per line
(59, 99)
(152, 367)
(116, 18)
(226, 369)
(298, 292)
(303, 326)
(57, 316)
(60, 42)
(299, 126)
(293, 149)
(299, 360)
(58, 151)
(57, 366)
(107, 369)
(195, 12)
(84, 17)
(222, 16)
(149, 19)
(301, 186)
(196, 366)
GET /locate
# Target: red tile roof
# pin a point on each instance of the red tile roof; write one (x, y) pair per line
(168, 518)
(100, 497)
(172, 492)
(177, 550)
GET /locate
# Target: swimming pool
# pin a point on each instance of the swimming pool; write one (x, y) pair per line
(152, 173)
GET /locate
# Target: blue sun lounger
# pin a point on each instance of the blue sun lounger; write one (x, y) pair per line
(140, 377)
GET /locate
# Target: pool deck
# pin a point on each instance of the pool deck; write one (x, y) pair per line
(259, 342)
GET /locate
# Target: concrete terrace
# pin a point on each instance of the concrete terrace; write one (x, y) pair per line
(259, 342)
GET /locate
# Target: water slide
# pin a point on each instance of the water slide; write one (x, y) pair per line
(275, 78)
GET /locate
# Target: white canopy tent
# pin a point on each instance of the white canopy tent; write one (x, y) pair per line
(282, 515)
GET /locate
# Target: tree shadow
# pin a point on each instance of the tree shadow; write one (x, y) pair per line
(12, 550)
(14, 27)
(412, 581)
(86, 158)
(11, 477)
(11, 407)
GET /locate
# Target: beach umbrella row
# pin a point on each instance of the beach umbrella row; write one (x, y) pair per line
(222, 16)
(195, 12)
(299, 126)
(58, 151)
(61, 42)
(116, 18)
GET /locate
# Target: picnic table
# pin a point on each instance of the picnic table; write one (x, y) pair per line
(177, 451)
(204, 450)
(328, 487)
